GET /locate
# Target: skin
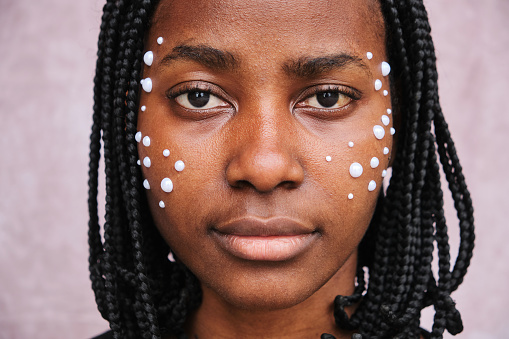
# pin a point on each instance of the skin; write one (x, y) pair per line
(260, 153)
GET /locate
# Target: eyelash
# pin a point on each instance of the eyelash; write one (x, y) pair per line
(347, 91)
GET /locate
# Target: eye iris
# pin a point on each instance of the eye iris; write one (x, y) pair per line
(198, 98)
(327, 99)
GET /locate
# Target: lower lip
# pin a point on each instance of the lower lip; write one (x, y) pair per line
(265, 248)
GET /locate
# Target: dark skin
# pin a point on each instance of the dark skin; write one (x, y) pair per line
(236, 87)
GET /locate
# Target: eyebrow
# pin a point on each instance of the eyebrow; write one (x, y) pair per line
(306, 67)
(203, 54)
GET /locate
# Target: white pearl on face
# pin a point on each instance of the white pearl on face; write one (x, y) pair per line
(379, 132)
(371, 185)
(138, 162)
(146, 184)
(389, 111)
(143, 108)
(385, 120)
(356, 170)
(166, 152)
(350, 196)
(384, 173)
(147, 162)
(386, 93)
(350, 144)
(161, 204)
(137, 136)
(386, 150)
(179, 165)
(167, 185)
(374, 162)
(147, 85)
(148, 58)
(393, 131)
(369, 55)
(160, 40)
(146, 141)
(328, 158)
(378, 84)
(171, 257)
(386, 69)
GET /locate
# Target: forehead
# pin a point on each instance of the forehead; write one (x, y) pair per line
(276, 27)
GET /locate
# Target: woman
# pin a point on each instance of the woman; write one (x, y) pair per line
(245, 147)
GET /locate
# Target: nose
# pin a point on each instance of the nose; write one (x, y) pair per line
(265, 155)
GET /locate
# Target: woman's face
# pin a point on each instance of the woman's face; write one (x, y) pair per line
(259, 113)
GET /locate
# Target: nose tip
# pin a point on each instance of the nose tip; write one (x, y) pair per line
(264, 170)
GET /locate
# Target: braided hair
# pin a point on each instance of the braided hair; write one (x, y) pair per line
(143, 295)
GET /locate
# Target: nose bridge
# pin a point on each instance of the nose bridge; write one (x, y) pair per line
(265, 156)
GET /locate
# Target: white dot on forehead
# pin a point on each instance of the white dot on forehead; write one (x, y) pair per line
(160, 40)
(147, 85)
(146, 184)
(147, 162)
(167, 185)
(379, 132)
(393, 131)
(166, 152)
(369, 55)
(386, 150)
(148, 58)
(386, 69)
(378, 84)
(386, 93)
(384, 173)
(389, 111)
(179, 165)
(137, 136)
(143, 108)
(385, 120)
(356, 170)
(371, 185)
(374, 162)
(328, 158)
(350, 196)
(161, 204)
(146, 141)
(350, 144)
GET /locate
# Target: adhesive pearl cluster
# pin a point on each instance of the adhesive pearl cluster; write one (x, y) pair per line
(147, 85)
(356, 168)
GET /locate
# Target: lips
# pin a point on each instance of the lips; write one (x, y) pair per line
(274, 239)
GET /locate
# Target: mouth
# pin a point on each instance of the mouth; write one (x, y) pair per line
(274, 239)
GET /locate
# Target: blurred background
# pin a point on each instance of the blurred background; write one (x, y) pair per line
(47, 58)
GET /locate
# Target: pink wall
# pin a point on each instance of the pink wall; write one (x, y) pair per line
(47, 56)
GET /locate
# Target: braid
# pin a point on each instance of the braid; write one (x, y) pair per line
(143, 295)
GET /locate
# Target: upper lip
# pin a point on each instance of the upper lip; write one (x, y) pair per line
(254, 226)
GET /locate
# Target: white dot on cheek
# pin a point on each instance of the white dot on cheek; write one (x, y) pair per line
(137, 136)
(378, 85)
(374, 162)
(385, 120)
(350, 196)
(356, 170)
(389, 111)
(379, 132)
(143, 108)
(369, 55)
(393, 131)
(161, 204)
(350, 144)
(328, 158)
(138, 162)
(146, 141)
(386, 69)
(148, 58)
(147, 162)
(384, 173)
(166, 152)
(167, 185)
(386, 93)
(386, 150)
(179, 165)
(146, 84)
(146, 184)
(160, 40)
(371, 185)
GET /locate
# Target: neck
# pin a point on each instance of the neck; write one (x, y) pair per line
(309, 319)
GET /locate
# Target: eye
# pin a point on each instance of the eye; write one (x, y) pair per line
(199, 99)
(327, 99)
